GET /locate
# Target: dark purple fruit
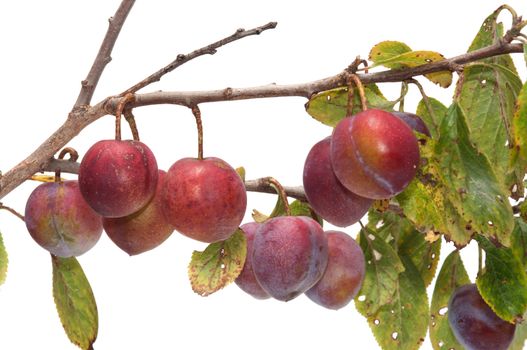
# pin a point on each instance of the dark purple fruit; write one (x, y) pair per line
(344, 273)
(117, 178)
(290, 254)
(474, 324)
(204, 199)
(413, 121)
(247, 280)
(59, 219)
(326, 195)
(374, 154)
(143, 230)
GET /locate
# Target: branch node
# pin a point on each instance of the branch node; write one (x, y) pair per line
(180, 57)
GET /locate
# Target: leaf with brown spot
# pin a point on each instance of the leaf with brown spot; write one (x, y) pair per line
(218, 265)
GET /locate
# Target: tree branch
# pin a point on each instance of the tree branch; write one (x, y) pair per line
(103, 57)
(82, 117)
(258, 185)
(207, 50)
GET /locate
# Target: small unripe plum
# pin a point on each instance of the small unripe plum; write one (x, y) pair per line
(290, 254)
(344, 274)
(413, 121)
(59, 219)
(474, 324)
(326, 195)
(246, 280)
(205, 199)
(374, 154)
(143, 230)
(117, 178)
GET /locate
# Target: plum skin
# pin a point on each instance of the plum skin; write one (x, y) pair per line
(205, 199)
(246, 280)
(118, 178)
(143, 230)
(289, 256)
(374, 154)
(474, 324)
(413, 121)
(344, 274)
(59, 219)
(326, 195)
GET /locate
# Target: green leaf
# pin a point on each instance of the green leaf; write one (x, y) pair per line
(75, 302)
(300, 208)
(383, 267)
(409, 242)
(472, 189)
(425, 203)
(519, 336)
(519, 132)
(519, 241)
(3, 261)
(487, 93)
(386, 50)
(503, 282)
(330, 107)
(399, 324)
(218, 265)
(423, 254)
(451, 276)
(432, 115)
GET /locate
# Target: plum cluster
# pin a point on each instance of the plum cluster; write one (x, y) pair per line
(121, 189)
(291, 255)
(371, 155)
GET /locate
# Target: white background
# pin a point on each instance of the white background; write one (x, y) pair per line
(145, 302)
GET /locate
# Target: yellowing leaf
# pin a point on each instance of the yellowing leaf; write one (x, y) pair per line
(3, 261)
(218, 265)
(386, 50)
(75, 302)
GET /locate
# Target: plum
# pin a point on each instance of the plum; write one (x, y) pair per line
(289, 256)
(413, 121)
(204, 199)
(474, 324)
(374, 154)
(59, 219)
(142, 230)
(326, 195)
(247, 280)
(344, 273)
(117, 178)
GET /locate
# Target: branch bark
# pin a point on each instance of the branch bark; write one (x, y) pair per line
(104, 57)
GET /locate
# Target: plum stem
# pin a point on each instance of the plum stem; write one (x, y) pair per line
(130, 118)
(199, 126)
(354, 80)
(281, 192)
(74, 155)
(480, 260)
(119, 111)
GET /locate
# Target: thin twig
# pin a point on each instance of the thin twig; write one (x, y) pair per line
(12, 211)
(207, 50)
(104, 57)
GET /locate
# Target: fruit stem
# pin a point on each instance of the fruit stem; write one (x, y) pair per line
(74, 155)
(281, 192)
(130, 118)
(119, 111)
(353, 79)
(404, 90)
(199, 125)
